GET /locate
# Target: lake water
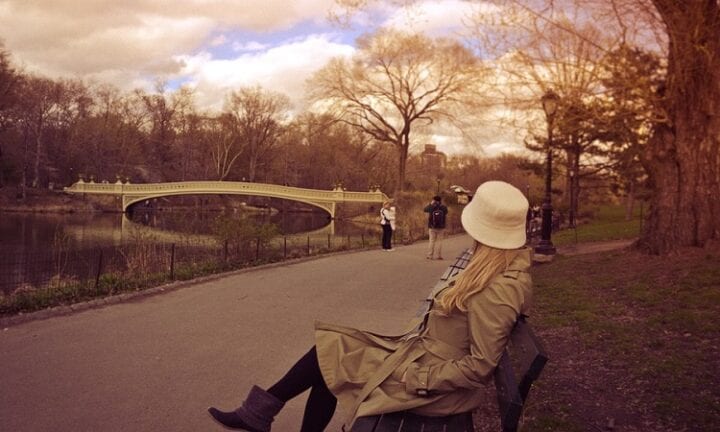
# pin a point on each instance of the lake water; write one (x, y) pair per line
(38, 231)
(29, 240)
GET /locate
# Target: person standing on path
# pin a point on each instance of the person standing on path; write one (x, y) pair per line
(440, 366)
(387, 221)
(437, 213)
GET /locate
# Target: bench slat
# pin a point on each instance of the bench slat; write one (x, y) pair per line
(365, 424)
(390, 422)
(412, 422)
(405, 421)
(461, 422)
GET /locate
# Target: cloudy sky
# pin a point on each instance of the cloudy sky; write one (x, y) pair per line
(212, 45)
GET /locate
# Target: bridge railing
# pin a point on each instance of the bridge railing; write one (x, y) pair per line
(228, 187)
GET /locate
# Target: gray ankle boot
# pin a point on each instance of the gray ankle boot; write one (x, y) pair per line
(255, 415)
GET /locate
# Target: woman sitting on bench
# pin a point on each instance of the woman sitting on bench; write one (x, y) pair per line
(438, 368)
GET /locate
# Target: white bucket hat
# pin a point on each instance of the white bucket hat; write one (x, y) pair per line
(496, 215)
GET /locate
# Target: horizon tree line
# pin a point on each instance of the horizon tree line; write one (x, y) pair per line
(376, 106)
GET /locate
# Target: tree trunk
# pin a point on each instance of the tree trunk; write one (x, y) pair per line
(26, 150)
(2, 171)
(403, 148)
(36, 162)
(252, 168)
(575, 189)
(683, 155)
(630, 200)
(572, 181)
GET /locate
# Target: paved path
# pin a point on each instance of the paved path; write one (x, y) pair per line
(157, 363)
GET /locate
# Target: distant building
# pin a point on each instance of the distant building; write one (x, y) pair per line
(432, 160)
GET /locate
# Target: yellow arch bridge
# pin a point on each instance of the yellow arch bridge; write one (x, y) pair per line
(134, 193)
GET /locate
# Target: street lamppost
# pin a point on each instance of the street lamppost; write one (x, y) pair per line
(573, 200)
(550, 104)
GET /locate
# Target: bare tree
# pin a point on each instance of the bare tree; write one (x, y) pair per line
(9, 91)
(37, 114)
(257, 118)
(223, 144)
(112, 135)
(71, 128)
(164, 110)
(394, 83)
(186, 125)
(321, 152)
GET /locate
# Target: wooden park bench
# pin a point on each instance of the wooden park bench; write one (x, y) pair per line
(520, 365)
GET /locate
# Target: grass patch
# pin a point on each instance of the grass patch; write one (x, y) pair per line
(652, 319)
(608, 223)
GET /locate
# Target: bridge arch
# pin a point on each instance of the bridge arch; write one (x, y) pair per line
(128, 202)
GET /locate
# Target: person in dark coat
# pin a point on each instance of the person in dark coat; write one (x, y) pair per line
(437, 214)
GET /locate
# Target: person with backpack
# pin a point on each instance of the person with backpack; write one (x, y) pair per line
(437, 213)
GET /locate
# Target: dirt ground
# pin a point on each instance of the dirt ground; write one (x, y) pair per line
(585, 387)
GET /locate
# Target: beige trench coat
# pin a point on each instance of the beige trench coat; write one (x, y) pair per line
(452, 357)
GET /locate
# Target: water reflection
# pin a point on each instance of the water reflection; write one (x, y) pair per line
(28, 232)
(201, 222)
(31, 243)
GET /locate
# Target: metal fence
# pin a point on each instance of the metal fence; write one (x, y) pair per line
(39, 280)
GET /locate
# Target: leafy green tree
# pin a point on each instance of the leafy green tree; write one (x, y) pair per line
(633, 78)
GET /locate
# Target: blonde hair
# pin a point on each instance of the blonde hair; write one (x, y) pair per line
(486, 263)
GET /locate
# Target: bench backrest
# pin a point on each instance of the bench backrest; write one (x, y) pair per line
(520, 365)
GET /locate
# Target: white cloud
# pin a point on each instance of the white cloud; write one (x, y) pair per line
(499, 147)
(131, 43)
(436, 17)
(249, 46)
(134, 40)
(218, 41)
(283, 68)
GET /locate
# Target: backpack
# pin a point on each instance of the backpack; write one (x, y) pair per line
(437, 218)
(383, 220)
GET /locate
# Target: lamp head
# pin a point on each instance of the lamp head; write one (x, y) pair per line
(550, 102)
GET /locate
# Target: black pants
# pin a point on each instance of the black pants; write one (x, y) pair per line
(387, 237)
(321, 403)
